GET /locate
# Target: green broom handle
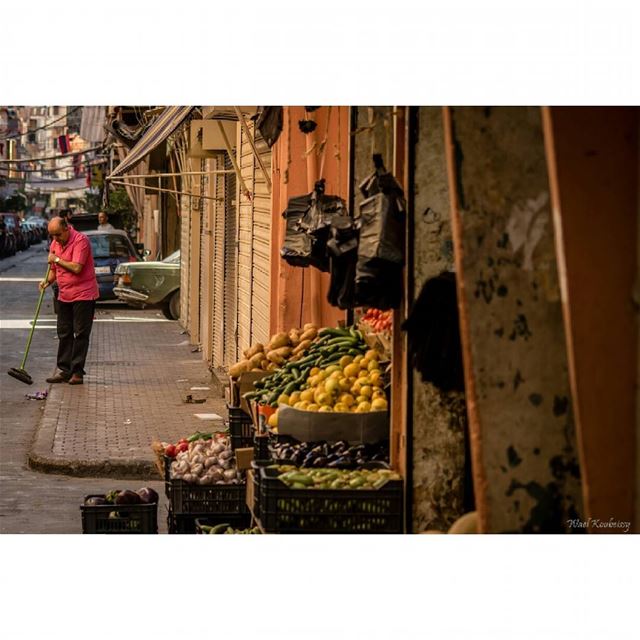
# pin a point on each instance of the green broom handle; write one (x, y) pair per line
(35, 319)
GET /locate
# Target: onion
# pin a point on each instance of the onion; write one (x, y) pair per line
(197, 469)
(230, 474)
(219, 448)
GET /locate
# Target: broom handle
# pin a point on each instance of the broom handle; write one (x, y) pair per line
(35, 319)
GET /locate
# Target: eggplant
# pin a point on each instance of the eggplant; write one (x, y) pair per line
(95, 501)
(128, 497)
(147, 495)
(319, 462)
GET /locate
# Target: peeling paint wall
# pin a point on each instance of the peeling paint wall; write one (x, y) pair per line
(524, 429)
(439, 417)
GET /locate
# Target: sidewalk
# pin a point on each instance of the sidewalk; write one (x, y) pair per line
(139, 371)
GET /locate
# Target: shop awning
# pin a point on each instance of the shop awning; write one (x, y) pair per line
(167, 122)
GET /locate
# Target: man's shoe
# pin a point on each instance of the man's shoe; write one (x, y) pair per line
(75, 379)
(59, 377)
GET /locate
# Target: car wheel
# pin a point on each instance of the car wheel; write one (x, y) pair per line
(171, 307)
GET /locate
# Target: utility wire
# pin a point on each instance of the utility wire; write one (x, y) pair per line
(64, 155)
(91, 163)
(45, 126)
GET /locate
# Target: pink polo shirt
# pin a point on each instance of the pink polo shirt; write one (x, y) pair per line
(84, 285)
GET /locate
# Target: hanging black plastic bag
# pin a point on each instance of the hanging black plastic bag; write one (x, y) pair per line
(269, 124)
(382, 219)
(343, 252)
(309, 227)
(296, 250)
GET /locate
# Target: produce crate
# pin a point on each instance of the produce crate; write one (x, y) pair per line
(261, 449)
(257, 465)
(285, 510)
(127, 518)
(237, 522)
(240, 428)
(187, 498)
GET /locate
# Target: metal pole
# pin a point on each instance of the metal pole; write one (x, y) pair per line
(234, 162)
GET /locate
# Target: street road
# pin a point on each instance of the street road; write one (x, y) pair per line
(33, 502)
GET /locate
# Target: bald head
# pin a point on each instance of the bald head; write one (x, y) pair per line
(58, 229)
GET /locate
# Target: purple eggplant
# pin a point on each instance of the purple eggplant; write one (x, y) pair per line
(95, 501)
(128, 497)
(147, 495)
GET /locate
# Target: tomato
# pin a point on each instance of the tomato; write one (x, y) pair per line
(170, 451)
(182, 446)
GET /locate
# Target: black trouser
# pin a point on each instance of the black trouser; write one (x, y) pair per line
(75, 320)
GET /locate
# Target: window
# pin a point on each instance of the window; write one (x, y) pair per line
(110, 246)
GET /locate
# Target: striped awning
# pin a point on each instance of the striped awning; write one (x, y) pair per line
(166, 123)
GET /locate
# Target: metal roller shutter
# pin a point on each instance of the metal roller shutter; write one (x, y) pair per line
(206, 266)
(230, 268)
(185, 245)
(218, 262)
(254, 242)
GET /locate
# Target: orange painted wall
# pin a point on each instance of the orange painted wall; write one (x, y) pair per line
(291, 287)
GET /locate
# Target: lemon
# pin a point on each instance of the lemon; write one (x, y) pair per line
(363, 407)
(372, 354)
(344, 361)
(347, 399)
(294, 397)
(314, 372)
(273, 420)
(366, 391)
(322, 374)
(332, 369)
(357, 359)
(336, 375)
(339, 407)
(363, 374)
(332, 385)
(344, 384)
(379, 404)
(351, 370)
(378, 393)
(364, 363)
(306, 395)
(283, 398)
(325, 408)
(323, 398)
(355, 387)
(373, 365)
(313, 407)
(302, 405)
(375, 377)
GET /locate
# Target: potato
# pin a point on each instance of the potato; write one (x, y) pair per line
(239, 368)
(252, 351)
(272, 366)
(278, 340)
(285, 352)
(303, 346)
(256, 359)
(265, 364)
(308, 326)
(294, 336)
(309, 334)
(274, 356)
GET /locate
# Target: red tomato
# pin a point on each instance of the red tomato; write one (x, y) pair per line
(170, 451)
(183, 446)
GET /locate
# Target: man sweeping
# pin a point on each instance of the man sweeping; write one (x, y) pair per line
(72, 269)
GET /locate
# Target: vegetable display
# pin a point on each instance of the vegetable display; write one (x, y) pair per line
(226, 529)
(206, 462)
(282, 348)
(336, 455)
(379, 321)
(301, 384)
(146, 495)
(296, 478)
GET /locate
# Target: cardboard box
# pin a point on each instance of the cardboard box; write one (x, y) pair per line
(250, 490)
(309, 426)
(244, 458)
(243, 384)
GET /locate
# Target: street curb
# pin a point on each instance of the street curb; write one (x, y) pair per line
(41, 458)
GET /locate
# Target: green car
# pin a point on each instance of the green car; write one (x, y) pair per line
(151, 284)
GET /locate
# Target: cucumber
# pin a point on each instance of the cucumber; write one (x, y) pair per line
(291, 387)
(329, 331)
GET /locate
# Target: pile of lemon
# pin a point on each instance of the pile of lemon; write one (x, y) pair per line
(352, 385)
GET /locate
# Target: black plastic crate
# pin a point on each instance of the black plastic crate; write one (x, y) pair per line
(261, 450)
(285, 510)
(241, 428)
(119, 518)
(213, 499)
(256, 465)
(237, 522)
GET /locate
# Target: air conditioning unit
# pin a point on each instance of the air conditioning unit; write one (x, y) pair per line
(206, 139)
